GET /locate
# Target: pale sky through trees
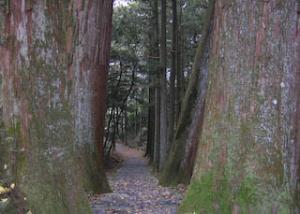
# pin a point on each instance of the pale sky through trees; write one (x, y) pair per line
(118, 3)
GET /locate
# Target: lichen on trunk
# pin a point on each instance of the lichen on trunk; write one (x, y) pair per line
(246, 160)
(90, 56)
(42, 158)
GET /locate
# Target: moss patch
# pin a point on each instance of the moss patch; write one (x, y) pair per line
(217, 195)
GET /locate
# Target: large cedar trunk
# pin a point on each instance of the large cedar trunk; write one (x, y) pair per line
(90, 61)
(44, 95)
(248, 155)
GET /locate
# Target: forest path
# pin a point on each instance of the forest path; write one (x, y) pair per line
(135, 189)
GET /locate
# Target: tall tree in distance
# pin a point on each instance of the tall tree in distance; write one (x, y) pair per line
(179, 90)
(163, 85)
(156, 155)
(152, 70)
(179, 166)
(174, 59)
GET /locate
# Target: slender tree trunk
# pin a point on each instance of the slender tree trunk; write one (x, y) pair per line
(115, 131)
(156, 147)
(125, 124)
(122, 126)
(153, 58)
(173, 72)
(107, 134)
(136, 113)
(179, 66)
(151, 110)
(163, 86)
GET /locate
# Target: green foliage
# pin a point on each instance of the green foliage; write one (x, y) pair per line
(193, 12)
(127, 79)
(5, 6)
(128, 24)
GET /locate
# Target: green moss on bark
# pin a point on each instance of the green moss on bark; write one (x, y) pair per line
(248, 132)
(219, 195)
(95, 180)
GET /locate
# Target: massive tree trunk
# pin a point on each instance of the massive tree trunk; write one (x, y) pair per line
(45, 58)
(248, 156)
(90, 54)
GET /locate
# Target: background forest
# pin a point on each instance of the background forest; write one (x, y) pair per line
(129, 80)
(207, 89)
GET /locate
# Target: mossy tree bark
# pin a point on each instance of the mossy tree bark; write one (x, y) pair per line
(248, 155)
(42, 43)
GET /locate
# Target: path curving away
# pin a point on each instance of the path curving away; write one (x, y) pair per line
(136, 190)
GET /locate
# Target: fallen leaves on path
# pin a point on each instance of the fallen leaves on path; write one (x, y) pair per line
(136, 190)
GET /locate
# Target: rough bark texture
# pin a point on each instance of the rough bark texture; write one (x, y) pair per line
(248, 156)
(42, 68)
(92, 36)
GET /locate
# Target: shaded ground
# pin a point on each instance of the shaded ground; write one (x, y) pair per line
(135, 189)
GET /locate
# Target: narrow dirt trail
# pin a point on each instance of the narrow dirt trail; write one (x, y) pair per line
(136, 190)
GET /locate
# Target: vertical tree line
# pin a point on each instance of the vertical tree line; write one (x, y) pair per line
(167, 82)
(150, 34)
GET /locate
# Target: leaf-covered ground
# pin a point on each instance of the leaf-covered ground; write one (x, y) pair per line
(136, 190)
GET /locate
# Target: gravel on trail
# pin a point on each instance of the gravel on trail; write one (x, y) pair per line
(136, 190)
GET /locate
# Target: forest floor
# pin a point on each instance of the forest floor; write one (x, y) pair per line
(136, 189)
